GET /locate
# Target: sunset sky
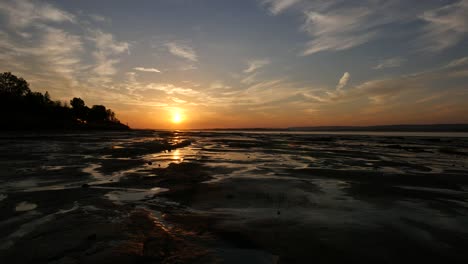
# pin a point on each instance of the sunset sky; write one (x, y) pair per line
(246, 63)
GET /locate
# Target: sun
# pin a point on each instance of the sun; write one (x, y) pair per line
(176, 118)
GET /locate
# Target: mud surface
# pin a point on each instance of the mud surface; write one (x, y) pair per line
(232, 197)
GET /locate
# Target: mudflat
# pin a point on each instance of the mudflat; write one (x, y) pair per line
(231, 197)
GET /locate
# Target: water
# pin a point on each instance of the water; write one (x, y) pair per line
(293, 196)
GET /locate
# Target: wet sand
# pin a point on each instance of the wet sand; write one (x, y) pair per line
(230, 197)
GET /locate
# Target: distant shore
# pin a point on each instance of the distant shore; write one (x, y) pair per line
(383, 128)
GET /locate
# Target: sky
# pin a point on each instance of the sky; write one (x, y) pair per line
(246, 63)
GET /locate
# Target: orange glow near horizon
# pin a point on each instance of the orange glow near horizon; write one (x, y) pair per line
(197, 118)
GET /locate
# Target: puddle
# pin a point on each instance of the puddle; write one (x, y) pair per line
(92, 170)
(25, 206)
(132, 195)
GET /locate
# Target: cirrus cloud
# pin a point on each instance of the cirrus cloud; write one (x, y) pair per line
(147, 69)
(182, 51)
(254, 65)
(389, 63)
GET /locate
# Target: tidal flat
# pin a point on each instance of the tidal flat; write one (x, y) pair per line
(233, 197)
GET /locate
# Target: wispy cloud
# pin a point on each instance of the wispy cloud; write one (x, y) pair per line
(278, 6)
(389, 63)
(338, 29)
(446, 26)
(22, 13)
(172, 89)
(383, 90)
(179, 101)
(252, 78)
(218, 85)
(457, 63)
(107, 48)
(254, 65)
(182, 50)
(51, 47)
(106, 43)
(335, 25)
(147, 69)
(99, 18)
(61, 50)
(343, 81)
(55, 51)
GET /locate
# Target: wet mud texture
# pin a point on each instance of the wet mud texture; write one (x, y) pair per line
(219, 197)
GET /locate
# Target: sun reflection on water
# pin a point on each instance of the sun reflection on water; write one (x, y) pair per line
(176, 156)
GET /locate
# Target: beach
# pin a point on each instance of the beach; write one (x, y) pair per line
(147, 196)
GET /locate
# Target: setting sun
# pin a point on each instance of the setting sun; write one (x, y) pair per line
(176, 118)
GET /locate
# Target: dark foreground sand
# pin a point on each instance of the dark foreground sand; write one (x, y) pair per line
(212, 197)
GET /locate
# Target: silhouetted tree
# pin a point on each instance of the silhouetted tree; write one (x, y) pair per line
(10, 85)
(79, 109)
(35, 100)
(22, 109)
(111, 116)
(98, 113)
(77, 103)
(47, 98)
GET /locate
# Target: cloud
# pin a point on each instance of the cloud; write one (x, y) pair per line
(55, 51)
(106, 44)
(23, 13)
(343, 81)
(131, 76)
(218, 85)
(446, 26)
(36, 37)
(252, 78)
(254, 65)
(171, 89)
(179, 101)
(337, 25)
(61, 50)
(278, 6)
(146, 69)
(382, 90)
(389, 63)
(99, 18)
(257, 87)
(339, 29)
(107, 49)
(182, 51)
(457, 63)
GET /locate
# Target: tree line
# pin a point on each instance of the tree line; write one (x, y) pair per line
(21, 108)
